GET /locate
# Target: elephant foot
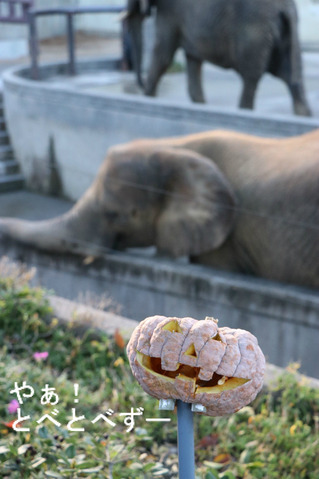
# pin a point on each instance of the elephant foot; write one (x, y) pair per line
(302, 109)
(149, 91)
(246, 105)
(198, 100)
(140, 83)
(300, 103)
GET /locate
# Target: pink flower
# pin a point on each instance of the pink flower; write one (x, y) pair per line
(39, 356)
(13, 406)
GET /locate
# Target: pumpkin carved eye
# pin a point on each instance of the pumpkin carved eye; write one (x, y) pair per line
(197, 362)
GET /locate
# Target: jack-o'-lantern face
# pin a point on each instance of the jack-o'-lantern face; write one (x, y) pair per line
(182, 358)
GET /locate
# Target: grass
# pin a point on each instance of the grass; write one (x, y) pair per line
(275, 437)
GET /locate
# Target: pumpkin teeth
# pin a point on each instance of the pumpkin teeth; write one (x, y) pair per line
(231, 383)
(222, 381)
(182, 377)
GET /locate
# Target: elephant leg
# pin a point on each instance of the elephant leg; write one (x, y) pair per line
(194, 70)
(162, 57)
(248, 93)
(300, 103)
(296, 88)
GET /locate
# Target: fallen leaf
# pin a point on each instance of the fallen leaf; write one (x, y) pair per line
(37, 462)
(89, 259)
(23, 448)
(292, 429)
(222, 458)
(119, 340)
(10, 424)
(118, 362)
(206, 441)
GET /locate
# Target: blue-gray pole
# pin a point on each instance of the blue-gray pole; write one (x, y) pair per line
(185, 435)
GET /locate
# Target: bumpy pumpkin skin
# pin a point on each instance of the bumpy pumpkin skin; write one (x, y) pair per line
(197, 362)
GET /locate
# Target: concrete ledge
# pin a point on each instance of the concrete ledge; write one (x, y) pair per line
(284, 318)
(66, 132)
(86, 317)
(49, 70)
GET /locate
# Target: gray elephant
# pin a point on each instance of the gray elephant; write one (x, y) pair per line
(228, 200)
(251, 36)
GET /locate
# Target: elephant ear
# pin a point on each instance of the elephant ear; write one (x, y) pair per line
(198, 212)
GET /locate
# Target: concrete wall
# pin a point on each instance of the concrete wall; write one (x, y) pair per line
(13, 41)
(14, 37)
(81, 126)
(101, 24)
(308, 12)
(284, 318)
(84, 317)
(54, 25)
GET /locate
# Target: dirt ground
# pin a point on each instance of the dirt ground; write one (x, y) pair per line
(86, 46)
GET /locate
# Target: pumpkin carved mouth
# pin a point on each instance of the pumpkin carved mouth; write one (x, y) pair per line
(215, 385)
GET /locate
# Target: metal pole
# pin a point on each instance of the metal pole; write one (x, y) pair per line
(70, 33)
(185, 435)
(33, 46)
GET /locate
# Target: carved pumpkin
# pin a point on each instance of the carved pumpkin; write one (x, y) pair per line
(197, 362)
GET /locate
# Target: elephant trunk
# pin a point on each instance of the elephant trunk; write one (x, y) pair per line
(47, 234)
(77, 231)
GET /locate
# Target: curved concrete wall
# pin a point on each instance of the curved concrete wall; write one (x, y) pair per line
(60, 135)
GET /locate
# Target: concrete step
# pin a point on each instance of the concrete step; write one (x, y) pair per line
(6, 152)
(9, 167)
(4, 138)
(11, 183)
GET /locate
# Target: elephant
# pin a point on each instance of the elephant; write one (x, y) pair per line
(252, 37)
(227, 200)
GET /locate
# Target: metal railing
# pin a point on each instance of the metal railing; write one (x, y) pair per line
(15, 11)
(69, 13)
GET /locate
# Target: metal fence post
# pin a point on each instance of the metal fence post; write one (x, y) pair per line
(33, 46)
(71, 43)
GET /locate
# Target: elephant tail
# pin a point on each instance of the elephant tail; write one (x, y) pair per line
(134, 27)
(289, 22)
